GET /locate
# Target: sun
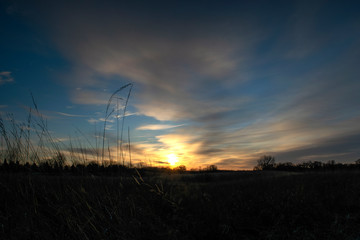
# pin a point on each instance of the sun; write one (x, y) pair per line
(172, 159)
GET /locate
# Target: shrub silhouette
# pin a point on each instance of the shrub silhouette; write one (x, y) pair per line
(266, 162)
(211, 168)
(180, 169)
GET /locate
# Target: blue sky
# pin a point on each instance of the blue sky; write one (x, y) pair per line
(214, 82)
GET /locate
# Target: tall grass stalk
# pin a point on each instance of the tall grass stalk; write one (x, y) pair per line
(122, 124)
(109, 112)
(129, 146)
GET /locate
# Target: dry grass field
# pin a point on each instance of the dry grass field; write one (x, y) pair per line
(230, 205)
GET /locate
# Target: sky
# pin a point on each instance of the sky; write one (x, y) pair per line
(213, 82)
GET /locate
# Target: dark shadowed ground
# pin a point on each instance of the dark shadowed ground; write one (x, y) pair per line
(233, 205)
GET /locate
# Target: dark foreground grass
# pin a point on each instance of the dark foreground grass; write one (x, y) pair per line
(213, 206)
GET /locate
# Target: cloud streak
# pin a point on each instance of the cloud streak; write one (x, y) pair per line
(157, 127)
(5, 77)
(70, 115)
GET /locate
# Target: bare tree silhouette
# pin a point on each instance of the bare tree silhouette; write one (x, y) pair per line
(266, 162)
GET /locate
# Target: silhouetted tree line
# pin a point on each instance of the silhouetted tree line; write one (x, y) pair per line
(56, 166)
(267, 162)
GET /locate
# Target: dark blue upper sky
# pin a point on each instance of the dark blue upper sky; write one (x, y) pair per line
(215, 82)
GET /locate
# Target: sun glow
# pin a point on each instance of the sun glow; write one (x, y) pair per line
(172, 159)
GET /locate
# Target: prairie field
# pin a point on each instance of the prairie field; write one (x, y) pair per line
(219, 205)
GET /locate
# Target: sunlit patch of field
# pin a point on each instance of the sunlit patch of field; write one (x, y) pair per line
(230, 205)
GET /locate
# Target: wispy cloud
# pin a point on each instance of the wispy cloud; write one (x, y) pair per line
(340, 148)
(157, 127)
(5, 77)
(70, 115)
(93, 120)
